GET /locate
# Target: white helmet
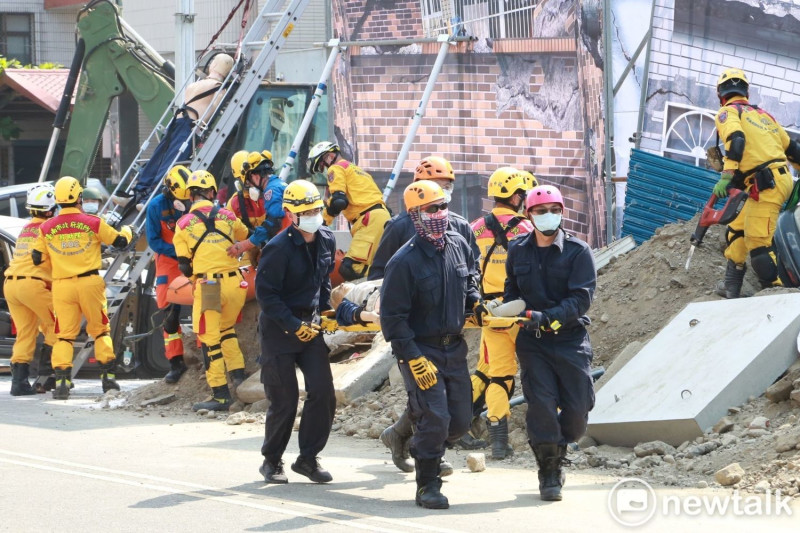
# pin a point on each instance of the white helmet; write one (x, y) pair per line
(316, 153)
(41, 197)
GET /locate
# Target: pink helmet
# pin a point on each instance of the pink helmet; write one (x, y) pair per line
(543, 194)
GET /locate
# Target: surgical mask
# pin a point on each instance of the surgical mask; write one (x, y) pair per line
(179, 205)
(254, 193)
(448, 194)
(91, 208)
(547, 223)
(310, 224)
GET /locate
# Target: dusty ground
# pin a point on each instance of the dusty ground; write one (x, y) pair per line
(637, 295)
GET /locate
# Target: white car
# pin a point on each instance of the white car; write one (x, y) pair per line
(13, 197)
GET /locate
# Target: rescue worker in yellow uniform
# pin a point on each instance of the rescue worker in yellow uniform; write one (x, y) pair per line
(27, 292)
(353, 193)
(756, 153)
(71, 243)
(493, 379)
(201, 240)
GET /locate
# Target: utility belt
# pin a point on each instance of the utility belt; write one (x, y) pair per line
(367, 210)
(305, 314)
(444, 340)
(218, 275)
(94, 272)
(762, 178)
(25, 277)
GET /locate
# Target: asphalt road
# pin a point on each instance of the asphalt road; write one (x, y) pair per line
(69, 466)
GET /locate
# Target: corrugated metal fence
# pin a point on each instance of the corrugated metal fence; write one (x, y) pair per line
(661, 191)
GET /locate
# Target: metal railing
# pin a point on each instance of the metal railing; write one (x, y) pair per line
(498, 19)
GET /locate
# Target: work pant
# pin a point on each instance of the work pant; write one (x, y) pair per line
(166, 271)
(367, 231)
(444, 411)
(30, 303)
(214, 326)
(758, 219)
(556, 375)
(74, 298)
(498, 348)
(280, 353)
(167, 151)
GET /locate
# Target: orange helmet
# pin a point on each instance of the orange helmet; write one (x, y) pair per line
(434, 167)
(422, 192)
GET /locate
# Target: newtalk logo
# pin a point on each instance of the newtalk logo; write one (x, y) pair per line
(633, 502)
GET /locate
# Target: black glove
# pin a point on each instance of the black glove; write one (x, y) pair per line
(480, 311)
(185, 266)
(533, 321)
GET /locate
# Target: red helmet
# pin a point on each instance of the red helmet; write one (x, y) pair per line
(543, 194)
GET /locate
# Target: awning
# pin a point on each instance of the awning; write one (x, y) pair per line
(43, 87)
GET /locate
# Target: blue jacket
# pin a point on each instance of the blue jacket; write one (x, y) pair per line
(558, 280)
(292, 280)
(401, 228)
(161, 218)
(425, 293)
(273, 204)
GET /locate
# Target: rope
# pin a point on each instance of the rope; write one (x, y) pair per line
(222, 28)
(245, 15)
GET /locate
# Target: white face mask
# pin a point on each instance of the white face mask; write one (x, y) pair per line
(547, 223)
(254, 193)
(91, 208)
(178, 205)
(310, 224)
(448, 193)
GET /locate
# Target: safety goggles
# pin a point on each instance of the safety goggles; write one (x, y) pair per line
(545, 210)
(431, 209)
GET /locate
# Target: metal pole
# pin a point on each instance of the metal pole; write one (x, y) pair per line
(608, 74)
(401, 42)
(418, 114)
(645, 80)
(184, 43)
(288, 165)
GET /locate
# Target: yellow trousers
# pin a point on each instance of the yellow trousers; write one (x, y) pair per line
(758, 219)
(30, 303)
(74, 298)
(214, 327)
(498, 361)
(367, 232)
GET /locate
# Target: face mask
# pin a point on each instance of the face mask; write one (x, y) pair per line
(91, 208)
(448, 194)
(310, 224)
(254, 193)
(179, 205)
(427, 225)
(547, 223)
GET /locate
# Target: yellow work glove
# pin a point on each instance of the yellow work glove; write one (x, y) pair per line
(424, 372)
(306, 332)
(126, 232)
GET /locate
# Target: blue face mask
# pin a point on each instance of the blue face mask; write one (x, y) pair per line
(548, 223)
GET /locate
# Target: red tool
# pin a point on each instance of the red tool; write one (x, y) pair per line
(710, 216)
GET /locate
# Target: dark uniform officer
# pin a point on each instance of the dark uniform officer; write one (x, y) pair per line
(396, 233)
(292, 286)
(554, 273)
(428, 285)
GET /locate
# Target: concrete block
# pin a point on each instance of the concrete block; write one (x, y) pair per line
(683, 381)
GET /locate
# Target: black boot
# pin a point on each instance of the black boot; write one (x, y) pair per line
(273, 472)
(63, 377)
(429, 485)
(734, 278)
(19, 380)
(310, 467)
(396, 437)
(498, 435)
(108, 376)
(46, 380)
(177, 368)
(220, 402)
(237, 377)
(550, 457)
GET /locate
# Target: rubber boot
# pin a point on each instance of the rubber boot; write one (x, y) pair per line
(734, 278)
(220, 402)
(20, 386)
(177, 368)
(468, 442)
(63, 377)
(549, 457)
(108, 376)
(396, 437)
(46, 380)
(498, 435)
(429, 485)
(237, 377)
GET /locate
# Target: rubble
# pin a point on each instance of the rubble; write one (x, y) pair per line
(476, 462)
(729, 475)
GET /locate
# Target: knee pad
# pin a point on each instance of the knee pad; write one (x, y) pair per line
(172, 319)
(348, 269)
(763, 262)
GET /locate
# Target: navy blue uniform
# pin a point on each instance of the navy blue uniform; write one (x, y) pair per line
(401, 228)
(292, 286)
(558, 280)
(423, 300)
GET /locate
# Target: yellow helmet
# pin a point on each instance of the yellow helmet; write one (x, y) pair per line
(505, 181)
(530, 180)
(732, 81)
(175, 182)
(301, 195)
(422, 192)
(236, 163)
(434, 167)
(256, 160)
(67, 190)
(201, 179)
